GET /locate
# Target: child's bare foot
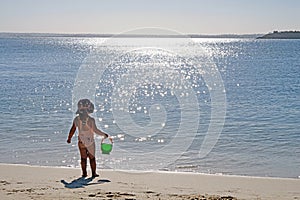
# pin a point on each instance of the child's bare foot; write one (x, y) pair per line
(84, 175)
(95, 175)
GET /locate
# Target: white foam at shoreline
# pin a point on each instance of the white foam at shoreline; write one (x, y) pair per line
(154, 171)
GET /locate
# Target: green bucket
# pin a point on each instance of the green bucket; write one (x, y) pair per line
(106, 148)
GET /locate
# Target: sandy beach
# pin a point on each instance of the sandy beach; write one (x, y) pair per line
(32, 182)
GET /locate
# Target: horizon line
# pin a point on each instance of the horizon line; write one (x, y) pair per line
(190, 35)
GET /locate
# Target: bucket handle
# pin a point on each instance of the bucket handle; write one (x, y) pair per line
(110, 139)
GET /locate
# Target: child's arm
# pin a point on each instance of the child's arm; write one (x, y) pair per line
(71, 133)
(97, 131)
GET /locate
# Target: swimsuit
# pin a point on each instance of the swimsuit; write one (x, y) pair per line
(86, 142)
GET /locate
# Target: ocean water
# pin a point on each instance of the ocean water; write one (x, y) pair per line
(229, 106)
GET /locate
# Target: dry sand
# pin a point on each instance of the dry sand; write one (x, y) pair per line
(31, 182)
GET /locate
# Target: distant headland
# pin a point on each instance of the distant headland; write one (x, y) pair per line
(281, 35)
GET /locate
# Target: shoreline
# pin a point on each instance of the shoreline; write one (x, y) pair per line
(154, 171)
(41, 182)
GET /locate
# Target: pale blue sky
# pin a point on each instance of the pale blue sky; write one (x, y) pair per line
(115, 16)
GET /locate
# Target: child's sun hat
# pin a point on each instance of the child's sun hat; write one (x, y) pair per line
(85, 105)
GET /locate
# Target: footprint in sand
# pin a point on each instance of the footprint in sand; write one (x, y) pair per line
(3, 182)
(114, 195)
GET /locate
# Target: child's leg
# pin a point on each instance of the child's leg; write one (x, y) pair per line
(91, 155)
(83, 154)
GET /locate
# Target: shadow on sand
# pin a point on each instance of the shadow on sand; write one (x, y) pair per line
(83, 182)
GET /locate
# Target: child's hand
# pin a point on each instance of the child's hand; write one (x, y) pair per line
(69, 141)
